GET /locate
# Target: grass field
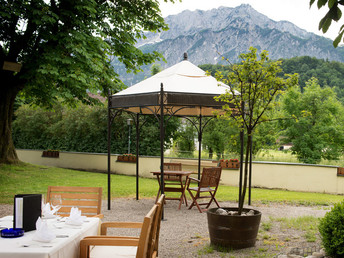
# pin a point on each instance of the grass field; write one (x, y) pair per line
(27, 178)
(264, 155)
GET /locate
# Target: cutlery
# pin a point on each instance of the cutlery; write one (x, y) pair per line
(61, 236)
(28, 245)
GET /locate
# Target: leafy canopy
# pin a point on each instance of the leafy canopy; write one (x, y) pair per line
(316, 130)
(65, 46)
(253, 86)
(334, 14)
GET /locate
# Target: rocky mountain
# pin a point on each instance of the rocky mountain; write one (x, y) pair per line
(206, 35)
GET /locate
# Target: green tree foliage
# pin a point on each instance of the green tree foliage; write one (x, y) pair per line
(328, 73)
(84, 129)
(156, 68)
(150, 135)
(64, 48)
(266, 134)
(317, 128)
(220, 136)
(254, 85)
(334, 14)
(185, 139)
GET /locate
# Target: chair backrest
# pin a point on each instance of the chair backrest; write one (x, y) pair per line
(143, 249)
(87, 199)
(153, 246)
(143, 243)
(210, 177)
(173, 166)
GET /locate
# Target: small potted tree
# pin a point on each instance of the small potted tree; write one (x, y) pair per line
(254, 84)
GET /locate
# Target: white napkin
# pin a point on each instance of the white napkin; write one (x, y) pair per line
(48, 211)
(75, 217)
(43, 234)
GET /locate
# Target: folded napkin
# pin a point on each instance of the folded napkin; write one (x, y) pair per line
(43, 234)
(48, 211)
(75, 217)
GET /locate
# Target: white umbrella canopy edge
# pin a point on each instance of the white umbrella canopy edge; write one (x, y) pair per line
(184, 85)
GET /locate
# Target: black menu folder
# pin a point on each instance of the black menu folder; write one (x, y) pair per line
(27, 209)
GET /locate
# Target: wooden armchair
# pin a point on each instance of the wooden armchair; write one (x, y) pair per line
(86, 199)
(208, 183)
(129, 246)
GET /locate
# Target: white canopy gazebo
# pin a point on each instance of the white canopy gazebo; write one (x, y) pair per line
(187, 92)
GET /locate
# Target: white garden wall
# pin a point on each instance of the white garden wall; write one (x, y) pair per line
(297, 177)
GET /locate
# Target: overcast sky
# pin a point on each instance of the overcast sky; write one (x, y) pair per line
(295, 11)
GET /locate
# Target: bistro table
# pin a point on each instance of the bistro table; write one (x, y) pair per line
(180, 186)
(65, 245)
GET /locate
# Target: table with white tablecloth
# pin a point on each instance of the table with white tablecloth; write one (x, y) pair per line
(65, 245)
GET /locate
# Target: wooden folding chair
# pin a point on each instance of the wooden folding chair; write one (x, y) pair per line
(170, 179)
(209, 183)
(86, 199)
(173, 183)
(144, 246)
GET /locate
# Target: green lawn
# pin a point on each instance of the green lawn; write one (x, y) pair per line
(27, 178)
(265, 155)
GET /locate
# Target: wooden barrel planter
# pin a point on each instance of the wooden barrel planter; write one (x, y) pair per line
(233, 231)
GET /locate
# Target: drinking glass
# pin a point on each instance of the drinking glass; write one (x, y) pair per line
(56, 202)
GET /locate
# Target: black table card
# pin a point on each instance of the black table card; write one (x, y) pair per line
(27, 209)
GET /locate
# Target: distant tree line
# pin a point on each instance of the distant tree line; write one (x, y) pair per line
(310, 116)
(328, 73)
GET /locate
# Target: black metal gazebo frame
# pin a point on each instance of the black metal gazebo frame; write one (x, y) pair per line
(161, 103)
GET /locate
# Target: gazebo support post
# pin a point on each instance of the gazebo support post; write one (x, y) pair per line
(200, 146)
(162, 137)
(109, 152)
(137, 153)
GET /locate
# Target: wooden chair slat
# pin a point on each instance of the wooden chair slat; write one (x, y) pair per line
(79, 203)
(87, 199)
(76, 195)
(83, 210)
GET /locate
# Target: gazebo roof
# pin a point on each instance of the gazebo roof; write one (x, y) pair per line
(188, 91)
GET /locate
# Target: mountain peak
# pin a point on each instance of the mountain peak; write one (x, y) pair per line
(231, 31)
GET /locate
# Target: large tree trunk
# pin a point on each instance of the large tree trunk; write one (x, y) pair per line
(8, 94)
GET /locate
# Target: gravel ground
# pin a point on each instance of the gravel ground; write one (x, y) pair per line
(184, 232)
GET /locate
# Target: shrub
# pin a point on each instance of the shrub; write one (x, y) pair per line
(84, 129)
(331, 229)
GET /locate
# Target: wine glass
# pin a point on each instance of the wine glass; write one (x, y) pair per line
(56, 202)
(43, 201)
(42, 205)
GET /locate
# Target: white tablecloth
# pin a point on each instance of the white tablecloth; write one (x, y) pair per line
(61, 247)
